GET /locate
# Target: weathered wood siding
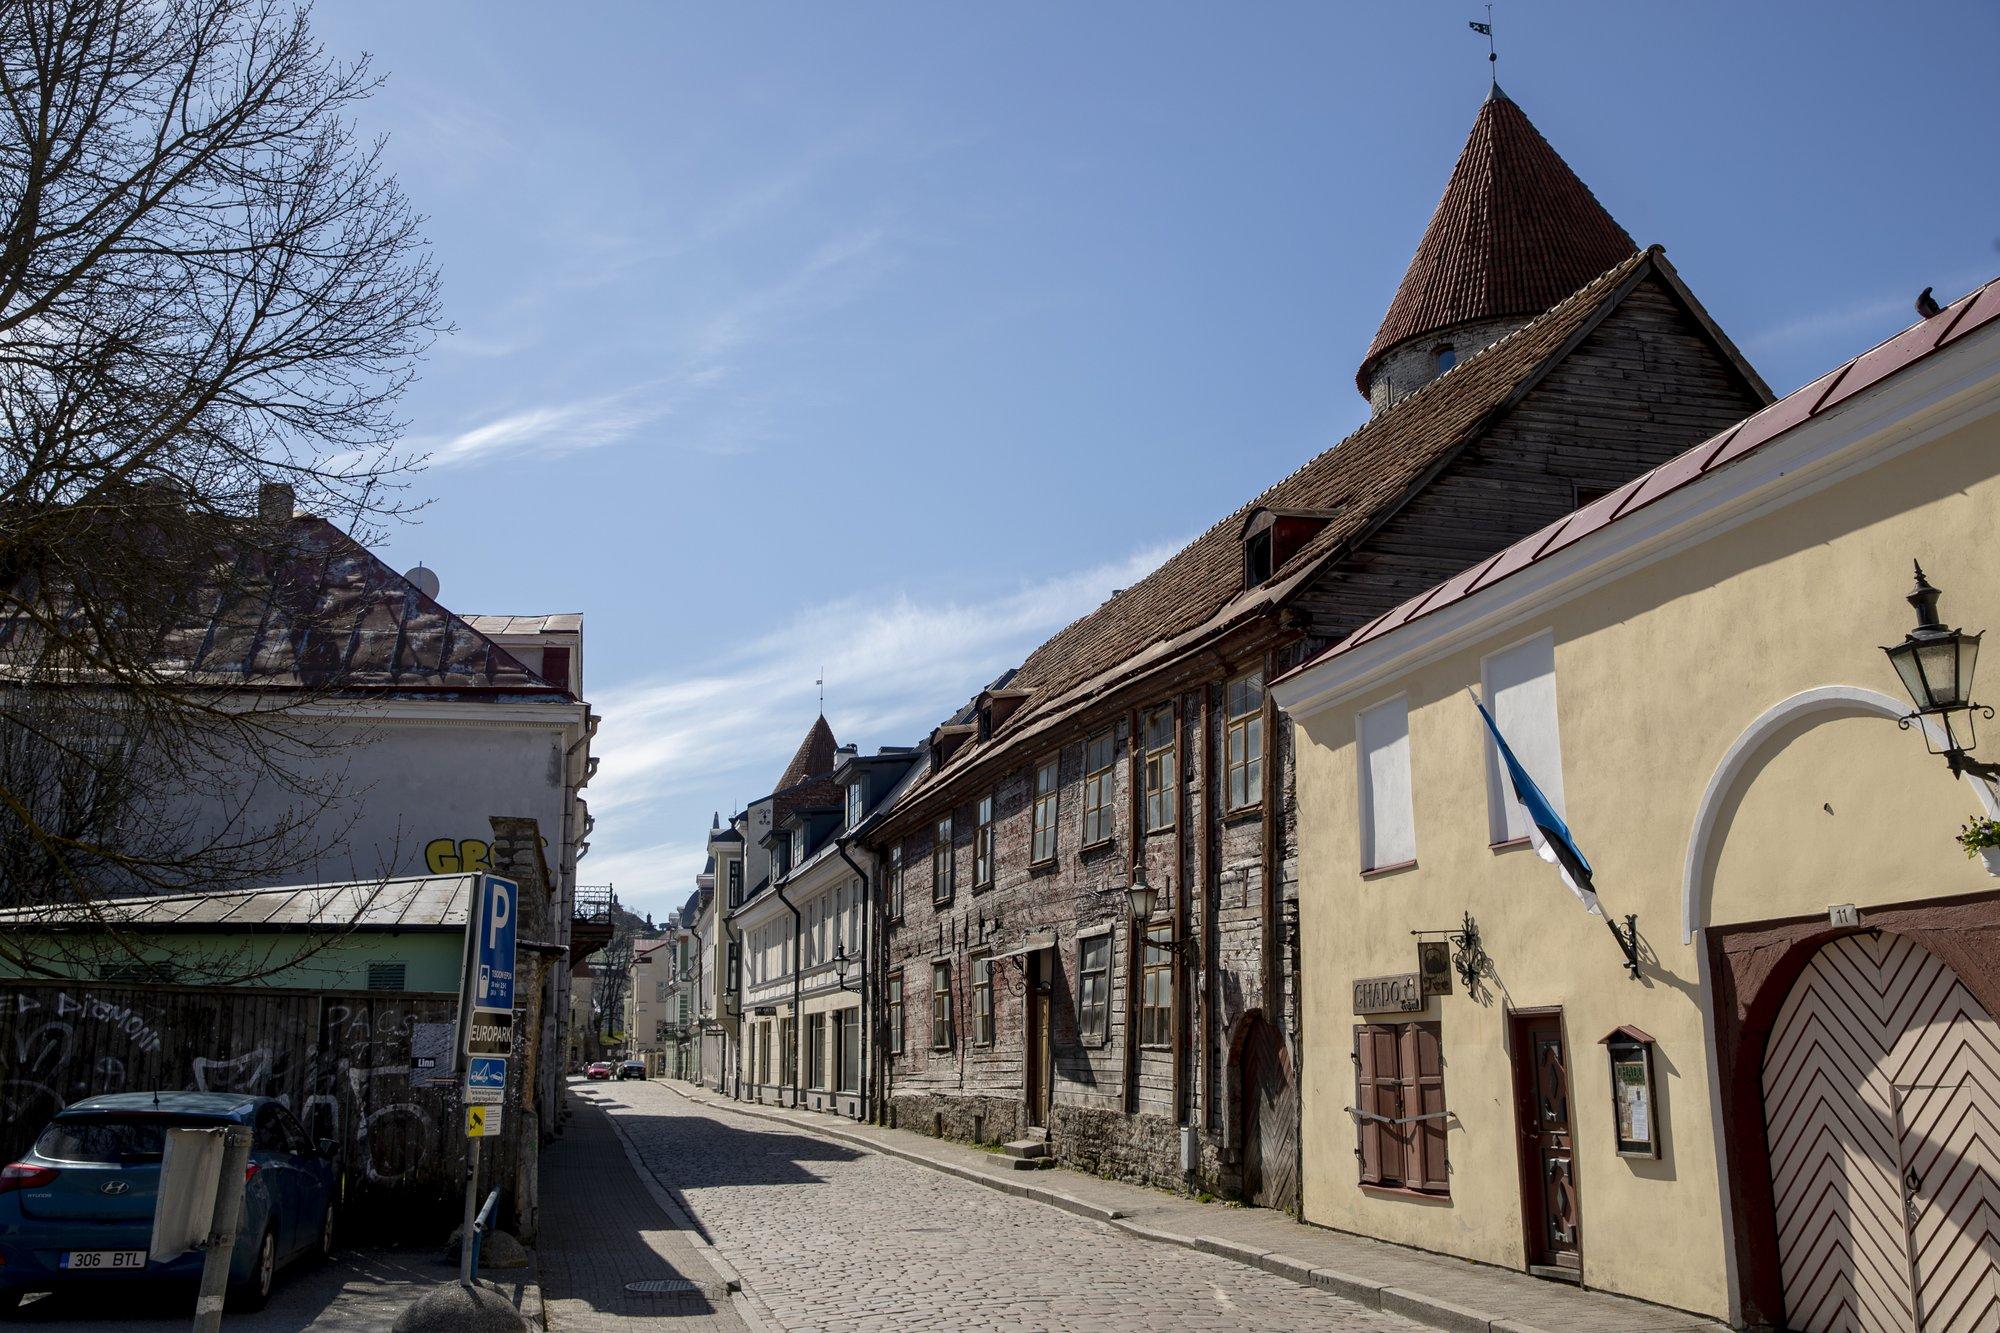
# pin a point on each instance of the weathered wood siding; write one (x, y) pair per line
(1643, 386)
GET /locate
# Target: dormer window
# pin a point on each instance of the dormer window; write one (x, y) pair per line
(798, 846)
(1273, 536)
(1257, 558)
(854, 803)
(1443, 357)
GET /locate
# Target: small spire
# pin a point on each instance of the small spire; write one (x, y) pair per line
(1492, 52)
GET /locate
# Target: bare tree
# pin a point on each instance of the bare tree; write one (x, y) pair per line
(209, 285)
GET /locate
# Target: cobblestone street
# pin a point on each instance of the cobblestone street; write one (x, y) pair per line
(832, 1238)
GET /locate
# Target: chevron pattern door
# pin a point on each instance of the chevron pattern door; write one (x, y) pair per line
(1880, 1082)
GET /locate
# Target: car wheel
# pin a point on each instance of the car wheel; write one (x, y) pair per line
(254, 1294)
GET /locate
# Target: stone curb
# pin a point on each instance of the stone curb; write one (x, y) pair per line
(1423, 1308)
(749, 1306)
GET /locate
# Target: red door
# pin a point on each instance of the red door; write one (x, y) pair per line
(1549, 1196)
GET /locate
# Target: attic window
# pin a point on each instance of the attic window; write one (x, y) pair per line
(1443, 357)
(1256, 558)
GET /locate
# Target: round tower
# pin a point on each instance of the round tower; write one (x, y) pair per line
(1515, 232)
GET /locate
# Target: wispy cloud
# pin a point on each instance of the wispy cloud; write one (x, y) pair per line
(1847, 325)
(673, 749)
(715, 349)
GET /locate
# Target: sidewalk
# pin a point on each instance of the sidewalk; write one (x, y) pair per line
(605, 1224)
(1434, 1289)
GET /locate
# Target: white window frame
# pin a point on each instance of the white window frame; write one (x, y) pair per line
(1525, 708)
(1384, 786)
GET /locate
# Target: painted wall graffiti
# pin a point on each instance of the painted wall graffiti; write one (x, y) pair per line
(446, 857)
(343, 1063)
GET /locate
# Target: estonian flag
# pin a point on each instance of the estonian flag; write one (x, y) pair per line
(1545, 827)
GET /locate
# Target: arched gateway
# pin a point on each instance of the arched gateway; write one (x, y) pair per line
(1881, 1083)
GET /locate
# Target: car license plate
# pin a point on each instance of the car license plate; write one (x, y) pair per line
(84, 1260)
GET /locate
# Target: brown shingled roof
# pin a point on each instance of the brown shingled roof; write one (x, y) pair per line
(1362, 480)
(1515, 232)
(314, 609)
(814, 758)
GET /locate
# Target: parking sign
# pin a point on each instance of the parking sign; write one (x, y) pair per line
(495, 916)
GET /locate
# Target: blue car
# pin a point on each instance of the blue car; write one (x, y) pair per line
(78, 1207)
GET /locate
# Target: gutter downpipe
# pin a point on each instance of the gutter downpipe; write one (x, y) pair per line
(732, 983)
(798, 982)
(867, 1027)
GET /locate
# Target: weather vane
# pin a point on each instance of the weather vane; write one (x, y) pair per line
(1492, 56)
(821, 682)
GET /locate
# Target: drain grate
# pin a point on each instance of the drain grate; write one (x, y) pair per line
(666, 1286)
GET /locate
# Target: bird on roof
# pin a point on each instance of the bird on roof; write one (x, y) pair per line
(1927, 304)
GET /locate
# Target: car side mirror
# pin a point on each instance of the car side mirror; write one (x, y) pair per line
(327, 1148)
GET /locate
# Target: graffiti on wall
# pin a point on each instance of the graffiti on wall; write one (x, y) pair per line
(447, 857)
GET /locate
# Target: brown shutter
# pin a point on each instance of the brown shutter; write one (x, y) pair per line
(1424, 1075)
(1375, 1094)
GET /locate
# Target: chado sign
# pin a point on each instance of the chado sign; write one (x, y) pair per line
(1398, 994)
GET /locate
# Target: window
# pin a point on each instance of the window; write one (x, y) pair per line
(798, 857)
(941, 1006)
(1388, 820)
(735, 883)
(847, 1035)
(1399, 1077)
(816, 1051)
(763, 1034)
(982, 844)
(1520, 689)
(944, 864)
(1100, 759)
(1156, 989)
(1160, 769)
(896, 882)
(982, 1001)
(1245, 744)
(854, 800)
(1093, 989)
(1256, 558)
(895, 1006)
(1443, 357)
(1045, 811)
(555, 667)
(788, 1054)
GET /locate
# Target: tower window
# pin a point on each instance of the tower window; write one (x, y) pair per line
(1443, 357)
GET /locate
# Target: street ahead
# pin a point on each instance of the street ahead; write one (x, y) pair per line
(832, 1238)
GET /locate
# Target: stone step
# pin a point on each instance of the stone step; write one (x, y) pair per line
(1025, 1150)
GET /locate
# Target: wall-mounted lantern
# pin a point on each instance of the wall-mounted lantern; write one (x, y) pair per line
(841, 962)
(1634, 1110)
(1936, 666)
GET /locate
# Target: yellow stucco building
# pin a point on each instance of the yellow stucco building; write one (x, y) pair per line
(1788, 1116)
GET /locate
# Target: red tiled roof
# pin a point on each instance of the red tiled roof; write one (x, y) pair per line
(1198, 591)
(1515, 232)
(814, 758)
(317, 610)
(1827, 392)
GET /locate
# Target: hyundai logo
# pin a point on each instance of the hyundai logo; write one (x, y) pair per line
(114, 1187)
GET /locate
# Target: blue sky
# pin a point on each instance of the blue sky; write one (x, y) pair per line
(891, 337)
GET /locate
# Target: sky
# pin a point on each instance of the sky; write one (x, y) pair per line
(882, 340)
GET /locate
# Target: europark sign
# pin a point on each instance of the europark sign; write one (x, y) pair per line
(488, 1004)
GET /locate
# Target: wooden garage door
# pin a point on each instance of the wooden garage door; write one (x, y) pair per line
(1879, 1103)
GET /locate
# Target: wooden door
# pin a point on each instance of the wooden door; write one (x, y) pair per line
(1880, 1114)
(1551, 1202)
(1038, 1055)
(1270, 1119)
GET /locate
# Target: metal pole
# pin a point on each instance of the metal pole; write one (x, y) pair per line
(465, 1251)
(221, 1245)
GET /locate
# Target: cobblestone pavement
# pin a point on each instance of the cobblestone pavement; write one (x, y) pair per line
(835, 1239)
(602, 1228)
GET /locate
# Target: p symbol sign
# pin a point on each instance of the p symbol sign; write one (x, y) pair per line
(493, 923)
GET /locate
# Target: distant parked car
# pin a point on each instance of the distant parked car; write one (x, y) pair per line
(78, 1207)
(598, 1069)
(632, 1069)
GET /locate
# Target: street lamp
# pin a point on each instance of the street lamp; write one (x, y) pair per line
(1143, 898)
(1936, 666)
(841, 962)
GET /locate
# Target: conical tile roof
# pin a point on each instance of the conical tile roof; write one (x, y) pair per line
(1516, 232)
(814, 758)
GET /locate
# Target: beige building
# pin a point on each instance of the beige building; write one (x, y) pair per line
(649, 999)
(1787, 1115)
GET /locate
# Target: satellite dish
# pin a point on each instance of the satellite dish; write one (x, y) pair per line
(424, 580)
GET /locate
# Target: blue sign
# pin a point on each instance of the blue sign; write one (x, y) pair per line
(486, 1073)
(494, 916)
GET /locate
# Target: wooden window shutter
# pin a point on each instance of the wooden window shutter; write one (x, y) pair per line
(1375, 1093)
(1423, 1095)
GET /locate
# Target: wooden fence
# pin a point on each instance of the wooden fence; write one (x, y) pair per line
(353, 1066)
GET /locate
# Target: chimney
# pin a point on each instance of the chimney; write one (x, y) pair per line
(274, 502)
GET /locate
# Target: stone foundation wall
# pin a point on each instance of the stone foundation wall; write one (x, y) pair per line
(968, 1119)
(1141, 1148)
